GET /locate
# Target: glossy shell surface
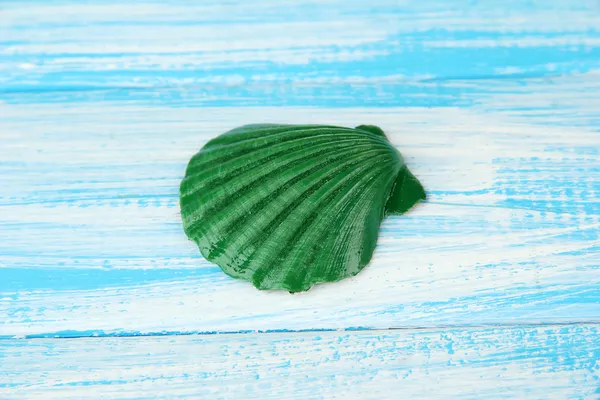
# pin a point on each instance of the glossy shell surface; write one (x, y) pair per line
(289, 206)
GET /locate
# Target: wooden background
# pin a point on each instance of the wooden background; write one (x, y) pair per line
(490, 289)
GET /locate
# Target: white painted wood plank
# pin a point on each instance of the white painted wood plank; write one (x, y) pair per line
(550, 362)
(69, 45)
(92, 240)
(495, 107)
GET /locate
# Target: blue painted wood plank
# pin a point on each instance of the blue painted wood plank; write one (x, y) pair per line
(92, 240)
(495, 107)
(69, 46)
(551, 362)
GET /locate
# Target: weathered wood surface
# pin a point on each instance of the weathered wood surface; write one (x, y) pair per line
(495, 106)
(551, 362)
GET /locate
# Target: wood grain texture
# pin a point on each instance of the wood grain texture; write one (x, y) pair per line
(524, 362)
(93, 240)
(494, 105)
(495, 109)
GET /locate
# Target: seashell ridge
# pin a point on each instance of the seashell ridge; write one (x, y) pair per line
(290, 206)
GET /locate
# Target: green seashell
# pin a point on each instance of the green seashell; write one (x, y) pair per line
(289, 206)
